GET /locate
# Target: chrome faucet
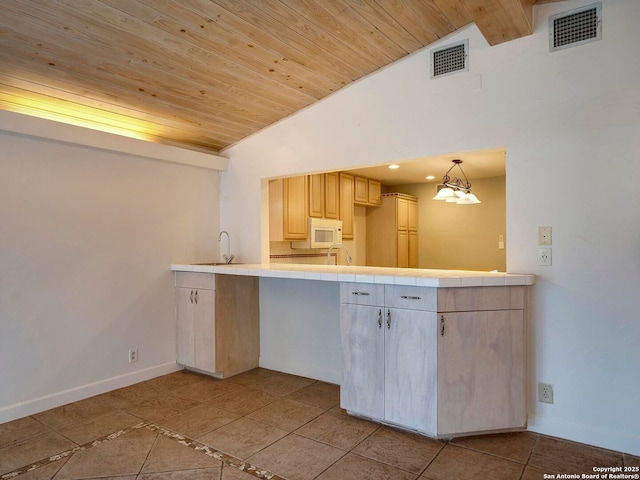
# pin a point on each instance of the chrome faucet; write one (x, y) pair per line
(346, 253)
(228, 258)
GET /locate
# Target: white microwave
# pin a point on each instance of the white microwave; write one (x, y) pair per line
(322, 233)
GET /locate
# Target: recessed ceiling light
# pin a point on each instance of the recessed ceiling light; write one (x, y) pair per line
(430, 177)
(394, 166)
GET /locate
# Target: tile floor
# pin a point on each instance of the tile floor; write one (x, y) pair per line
(261, 424)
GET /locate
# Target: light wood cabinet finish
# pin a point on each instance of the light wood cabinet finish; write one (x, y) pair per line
(375, 190)
(288, 208)
(217, 330)
(361, 194)
(392, 232)
(331, 195)
(316, 195)
(446, 373)
(346, 204)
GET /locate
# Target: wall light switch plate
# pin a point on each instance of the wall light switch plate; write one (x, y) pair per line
(544, 235)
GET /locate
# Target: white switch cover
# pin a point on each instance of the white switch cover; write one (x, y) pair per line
(544, 235)
(500, 242)
(544, 256)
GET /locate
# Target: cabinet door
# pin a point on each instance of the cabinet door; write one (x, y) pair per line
(204, 330)
(346, 205)
(295, 207)
(412, 215)
(411, 369)
(374, 192)
(361, 194)
(331, 195)
(316, 195)
(402, 212)
(481, 377)
(403, 249)
(413, 249)
(362, 336)
(185, 311)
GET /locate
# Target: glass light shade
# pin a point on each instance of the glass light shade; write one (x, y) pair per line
(473, 198)
(445, 193)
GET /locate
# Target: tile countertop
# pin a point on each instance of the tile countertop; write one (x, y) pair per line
(386, 275)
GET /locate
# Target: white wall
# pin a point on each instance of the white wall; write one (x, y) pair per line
(570, 121)
(86, 240)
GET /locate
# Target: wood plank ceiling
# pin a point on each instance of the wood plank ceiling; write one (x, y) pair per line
(204, 74)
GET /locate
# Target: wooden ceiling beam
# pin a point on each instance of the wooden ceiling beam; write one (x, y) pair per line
(501, 20)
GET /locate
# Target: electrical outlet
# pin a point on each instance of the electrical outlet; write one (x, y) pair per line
(545, 392)
(544, 256)
(133, 355)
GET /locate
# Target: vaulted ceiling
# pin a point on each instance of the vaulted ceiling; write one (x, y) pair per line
(204, 74)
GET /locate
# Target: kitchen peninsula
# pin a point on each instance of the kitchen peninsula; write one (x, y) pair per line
(440, 352)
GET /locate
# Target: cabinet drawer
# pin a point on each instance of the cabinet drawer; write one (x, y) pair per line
(411, 298)
(196, 280)
(362, 293)
(467, 299)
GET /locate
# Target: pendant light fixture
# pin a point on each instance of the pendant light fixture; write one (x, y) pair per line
(456, 190)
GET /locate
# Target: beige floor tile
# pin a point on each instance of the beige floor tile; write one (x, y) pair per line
(296, 458)
(196, 474)
(513, 446)
(199, 420)
(252, 376)
(631, 460)
(161, 406)
(531, 473)
(243, 438)
(354, 467)
(338, 430)
(231, 473)
(287, 414)
(99, 426)
(457, 463)
(174, 380)
(282, 384)
(19, 430)
(400, 449)
(244, 401)
(32, 450)
(167, 454)
(122, 456)
(131, 396)
(555, 455)
(320, 394)
(73, 413)
(45, 472)
(206, 389)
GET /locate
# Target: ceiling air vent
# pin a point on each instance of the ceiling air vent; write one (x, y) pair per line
(576, 27)
(449, 59)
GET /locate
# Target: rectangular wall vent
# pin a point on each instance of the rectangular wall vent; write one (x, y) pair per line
(449, 59)
(579, 26)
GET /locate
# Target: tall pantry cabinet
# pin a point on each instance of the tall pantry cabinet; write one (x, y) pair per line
(392, 232)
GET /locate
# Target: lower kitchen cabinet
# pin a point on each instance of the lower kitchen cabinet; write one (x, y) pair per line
(217, 322)
(441, 373)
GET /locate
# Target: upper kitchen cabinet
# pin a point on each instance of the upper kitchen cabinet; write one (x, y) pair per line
(367, 191)
(317, 195)
(331, 195)
(392, 232)
(346, 204)
(288, 208)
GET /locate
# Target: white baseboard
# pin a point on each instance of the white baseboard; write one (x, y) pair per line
(620, 441)
(36, 405)
(303, 370)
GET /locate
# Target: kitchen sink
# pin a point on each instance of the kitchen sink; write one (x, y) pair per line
(213, 264)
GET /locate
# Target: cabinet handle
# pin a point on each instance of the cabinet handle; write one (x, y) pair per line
(360, 293)
(409, 297)
(380, 318)
(388, 319)
(442, 325)
(191, 296)
(196, 297)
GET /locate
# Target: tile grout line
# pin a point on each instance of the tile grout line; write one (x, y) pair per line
(67, 453)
